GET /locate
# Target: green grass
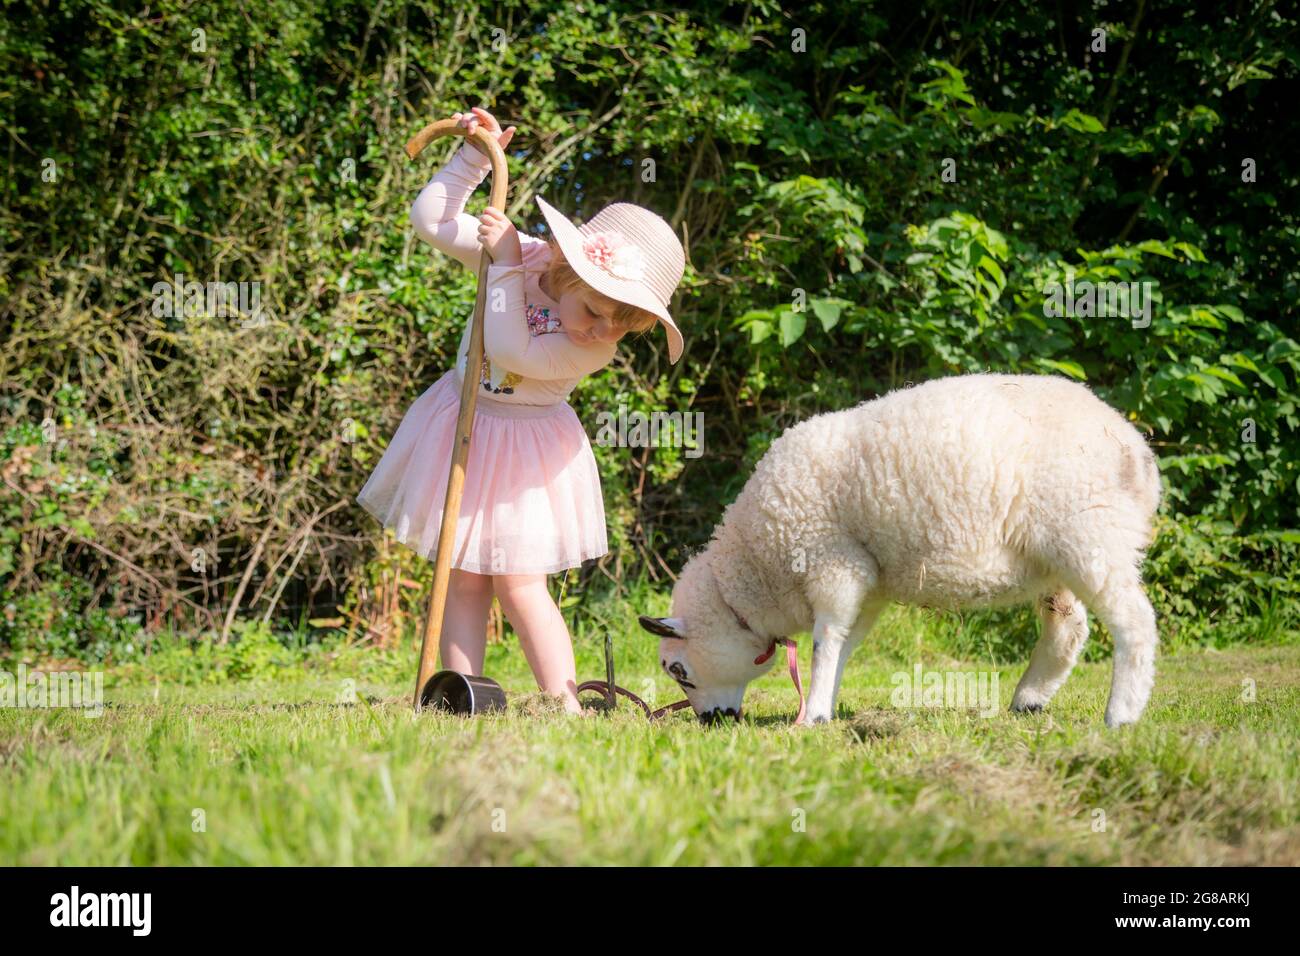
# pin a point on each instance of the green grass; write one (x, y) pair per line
(285, 773)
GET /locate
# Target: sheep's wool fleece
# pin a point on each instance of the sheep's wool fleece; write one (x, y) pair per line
(970, 490)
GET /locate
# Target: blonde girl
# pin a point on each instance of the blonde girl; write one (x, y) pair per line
(555, 312)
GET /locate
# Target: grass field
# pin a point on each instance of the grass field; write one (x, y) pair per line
(189, 765)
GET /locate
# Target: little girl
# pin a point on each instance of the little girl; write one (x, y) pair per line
(532, 504)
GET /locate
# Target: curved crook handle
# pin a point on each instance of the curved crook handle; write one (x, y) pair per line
(481, 138)
(488, 145)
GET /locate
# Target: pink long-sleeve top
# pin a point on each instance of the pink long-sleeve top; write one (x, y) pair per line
(527, 358)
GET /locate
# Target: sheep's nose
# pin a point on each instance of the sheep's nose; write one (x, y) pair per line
(716, 715)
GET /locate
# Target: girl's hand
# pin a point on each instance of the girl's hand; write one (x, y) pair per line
(499, 237)
(478, 115)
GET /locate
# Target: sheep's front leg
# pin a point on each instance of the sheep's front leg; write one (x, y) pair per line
(842, 617)
(830, 652)
(830, 644)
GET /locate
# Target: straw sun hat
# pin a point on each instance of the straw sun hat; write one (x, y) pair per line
(627, 253)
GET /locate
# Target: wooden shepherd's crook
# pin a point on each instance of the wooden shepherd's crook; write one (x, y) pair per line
(488, 145)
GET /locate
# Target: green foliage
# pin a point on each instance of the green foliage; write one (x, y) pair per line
(891, 204)
(54, 621)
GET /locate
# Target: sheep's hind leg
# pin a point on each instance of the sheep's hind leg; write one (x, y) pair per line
(1099, 562)
(1064, 632)
(1112, 587)
(1126, 611)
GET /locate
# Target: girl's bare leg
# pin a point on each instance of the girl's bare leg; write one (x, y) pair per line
(463, 641)
(542, 633)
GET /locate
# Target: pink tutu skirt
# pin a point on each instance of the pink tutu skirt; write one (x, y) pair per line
(532, 501)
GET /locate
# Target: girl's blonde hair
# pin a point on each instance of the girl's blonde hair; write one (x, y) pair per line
(561, 278)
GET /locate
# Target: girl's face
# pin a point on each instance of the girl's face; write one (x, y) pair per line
(586, 319)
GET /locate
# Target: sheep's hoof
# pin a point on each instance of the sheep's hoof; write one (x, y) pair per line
(1122, 712)
(1027, 708)
(1114, 721)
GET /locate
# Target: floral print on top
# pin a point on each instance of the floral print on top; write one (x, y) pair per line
(540, 322)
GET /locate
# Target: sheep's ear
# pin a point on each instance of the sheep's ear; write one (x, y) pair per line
(663, 626)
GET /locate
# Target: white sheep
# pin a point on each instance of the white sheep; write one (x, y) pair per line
(970, 491)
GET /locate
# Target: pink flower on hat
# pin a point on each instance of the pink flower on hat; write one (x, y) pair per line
(611, 251)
